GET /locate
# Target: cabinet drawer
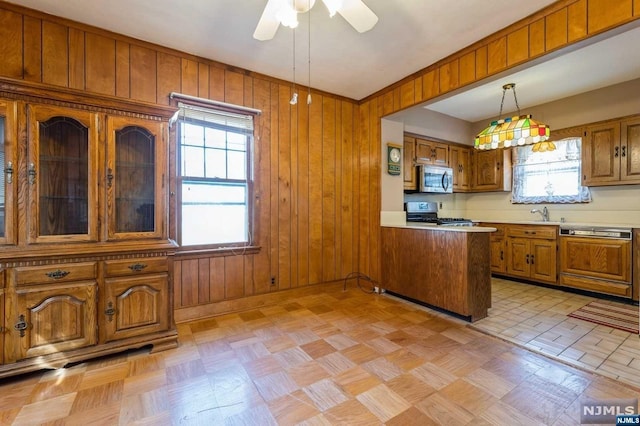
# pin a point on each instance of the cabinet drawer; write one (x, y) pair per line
(121, 268)
(64, 272)
(500, 229)
(543, 232)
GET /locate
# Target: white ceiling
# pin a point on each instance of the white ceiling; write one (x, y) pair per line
(410, 35)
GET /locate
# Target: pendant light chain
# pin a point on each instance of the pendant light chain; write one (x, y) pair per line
(309, 54)
(294, 95)
(504, 91)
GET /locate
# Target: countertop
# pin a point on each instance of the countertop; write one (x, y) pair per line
(434, 227)
(561, 224)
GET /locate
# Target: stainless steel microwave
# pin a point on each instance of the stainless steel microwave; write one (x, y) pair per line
(435, 179)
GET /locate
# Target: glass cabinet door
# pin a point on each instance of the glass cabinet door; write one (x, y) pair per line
(61, 175)
(8, 178)
(134, 178)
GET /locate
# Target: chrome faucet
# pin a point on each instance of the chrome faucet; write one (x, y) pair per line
(544, 213)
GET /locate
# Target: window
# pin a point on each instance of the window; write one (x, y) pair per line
(551, 176)
(214, 176)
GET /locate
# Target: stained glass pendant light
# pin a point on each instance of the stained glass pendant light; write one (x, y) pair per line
(514, 131)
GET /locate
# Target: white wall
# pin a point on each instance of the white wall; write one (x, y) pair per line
(612, 205)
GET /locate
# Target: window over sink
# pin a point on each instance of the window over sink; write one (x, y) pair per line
(550, 176)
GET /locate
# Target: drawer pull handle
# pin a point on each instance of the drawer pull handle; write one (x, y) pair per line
(110, 311)
(56, 275)
(527, 257)
(501, 254)
(617, 148)
(21, 325)
(532, 259)
(137, 267)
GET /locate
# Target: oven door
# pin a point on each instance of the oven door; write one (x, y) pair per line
(435, 179)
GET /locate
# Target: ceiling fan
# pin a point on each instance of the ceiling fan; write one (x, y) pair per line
(285, 12)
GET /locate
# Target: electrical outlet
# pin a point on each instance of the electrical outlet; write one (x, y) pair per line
(440, 204)
(273, 280)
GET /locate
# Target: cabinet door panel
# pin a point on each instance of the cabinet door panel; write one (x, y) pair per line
(62, 175)
(8, 145)
(53, 319)
(518, 257)
(409, 164)
(630, 154)
(498, 259)
(134, 306)
(601, 154)
(134, 175)
(542, 260)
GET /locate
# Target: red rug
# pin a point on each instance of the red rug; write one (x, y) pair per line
(612, 314)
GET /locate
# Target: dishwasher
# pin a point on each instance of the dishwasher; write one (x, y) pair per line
(597, 259)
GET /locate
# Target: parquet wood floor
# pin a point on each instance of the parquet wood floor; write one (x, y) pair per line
(335, 358)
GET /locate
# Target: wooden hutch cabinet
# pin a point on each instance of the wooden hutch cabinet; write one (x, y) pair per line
(85, 258)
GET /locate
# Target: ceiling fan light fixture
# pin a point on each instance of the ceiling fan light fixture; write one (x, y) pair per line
(287, 16)
(333, 6)
(513, 131)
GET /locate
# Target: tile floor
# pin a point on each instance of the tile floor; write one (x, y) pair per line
(536, 318)
(333, 358)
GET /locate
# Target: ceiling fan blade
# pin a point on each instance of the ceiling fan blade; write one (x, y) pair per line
(268, 24)
(358, 15)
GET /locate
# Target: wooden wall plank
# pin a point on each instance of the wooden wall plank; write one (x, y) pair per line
(273, 195)
(285, 112)
(315, 190)
(293, 190)
(337, 198)
(203, 80)
(536, 38)
(189, 77)
(11, 46)
(449, 76)
(347, 199)
(189, 279)
(169, 71)
(497, 55)
(518, 46)
(603, 14)
(407, 95)
(636, 7)
(577, 21)
(143, 73)
(374, 182)
(328, 188)
(55, 54)
(364, 183)
(468, 68)
(556, 30)
(177, 284)
(32, 48)
(233, 277)
(262, 169)
(396, 99)
(77, 59)
(216, 84)
(217, 279)
(233, 87)
(248, 91)
(431, 84)
(303, 194)
(204, 272)
(123, 69)
(481, 62)
(249, 288)
(101, 64)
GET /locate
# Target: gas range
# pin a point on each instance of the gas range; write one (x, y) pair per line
(427, 212)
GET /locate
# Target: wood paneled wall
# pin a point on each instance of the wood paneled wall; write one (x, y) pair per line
(317, 168)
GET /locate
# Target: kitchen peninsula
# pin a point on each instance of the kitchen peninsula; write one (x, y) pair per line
(446, 267)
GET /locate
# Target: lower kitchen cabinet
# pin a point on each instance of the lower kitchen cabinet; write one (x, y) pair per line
(497, 248)
(531, 252)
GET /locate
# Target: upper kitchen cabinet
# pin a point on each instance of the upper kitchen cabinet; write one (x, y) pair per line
(611, 153)
(62, 173)
(460, 162)
(8, 187)
(491, 170)
(409, 172)
(135, 173)
(432, 153)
